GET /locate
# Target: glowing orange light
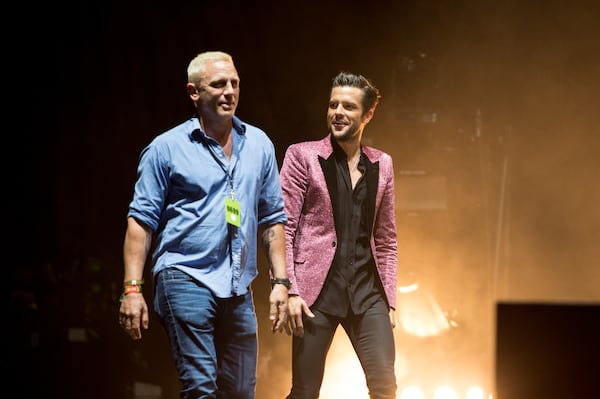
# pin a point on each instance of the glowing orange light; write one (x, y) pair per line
(412, 393)
(445, 392)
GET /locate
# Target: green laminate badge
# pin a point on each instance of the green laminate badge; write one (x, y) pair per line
(232, 212)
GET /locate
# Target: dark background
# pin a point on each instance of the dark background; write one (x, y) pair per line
(466, 86)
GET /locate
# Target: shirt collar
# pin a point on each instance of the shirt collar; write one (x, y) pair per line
(197, 133)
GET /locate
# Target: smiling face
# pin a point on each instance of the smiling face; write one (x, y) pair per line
(346, 117)
(217, 92)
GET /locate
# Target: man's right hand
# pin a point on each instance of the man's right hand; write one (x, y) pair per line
(297, 307)
(133, 315)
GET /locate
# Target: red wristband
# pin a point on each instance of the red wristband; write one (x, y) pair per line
(128, 289)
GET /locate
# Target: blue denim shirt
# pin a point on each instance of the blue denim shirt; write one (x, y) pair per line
(183, 180)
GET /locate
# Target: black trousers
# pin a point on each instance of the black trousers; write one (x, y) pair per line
(371, 336)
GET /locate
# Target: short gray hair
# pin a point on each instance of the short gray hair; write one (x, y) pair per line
(196, 67)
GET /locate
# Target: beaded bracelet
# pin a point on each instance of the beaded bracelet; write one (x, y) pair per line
(131, 286)
(133, 282)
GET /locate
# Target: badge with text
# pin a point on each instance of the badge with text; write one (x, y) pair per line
(232, 212)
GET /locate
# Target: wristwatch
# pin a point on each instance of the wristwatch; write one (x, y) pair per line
(284, 281)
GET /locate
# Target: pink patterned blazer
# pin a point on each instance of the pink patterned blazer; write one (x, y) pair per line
(307, 173)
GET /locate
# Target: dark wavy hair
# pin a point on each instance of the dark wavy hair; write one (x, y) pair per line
(371, 95)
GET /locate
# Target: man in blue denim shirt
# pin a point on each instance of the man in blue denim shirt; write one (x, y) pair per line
(204, 189)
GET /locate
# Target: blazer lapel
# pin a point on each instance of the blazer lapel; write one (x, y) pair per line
(329, 171)
(372, 175)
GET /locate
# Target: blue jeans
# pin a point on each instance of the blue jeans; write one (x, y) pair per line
(213, 340)
(371, 336)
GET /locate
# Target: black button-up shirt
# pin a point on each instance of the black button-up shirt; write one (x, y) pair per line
(351, 283)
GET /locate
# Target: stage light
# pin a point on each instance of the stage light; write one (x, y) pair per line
(475, 393)
(411, 393)
(444, 392)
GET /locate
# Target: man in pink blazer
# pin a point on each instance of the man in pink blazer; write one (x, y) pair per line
(341, 244)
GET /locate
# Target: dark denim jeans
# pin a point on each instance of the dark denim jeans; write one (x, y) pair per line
(213, 340)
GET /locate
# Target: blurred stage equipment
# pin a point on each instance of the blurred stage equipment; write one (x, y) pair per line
(418, 311)
(547, 350)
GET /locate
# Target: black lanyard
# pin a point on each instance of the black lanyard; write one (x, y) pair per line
(223, 168)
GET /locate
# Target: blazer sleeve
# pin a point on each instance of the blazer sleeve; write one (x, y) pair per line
(384, 232)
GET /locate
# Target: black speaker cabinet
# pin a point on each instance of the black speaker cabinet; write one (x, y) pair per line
(547, 351)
